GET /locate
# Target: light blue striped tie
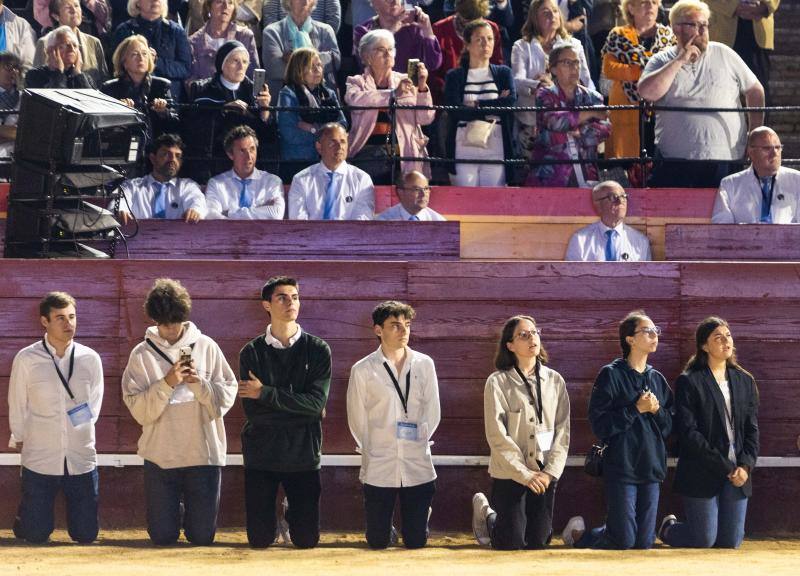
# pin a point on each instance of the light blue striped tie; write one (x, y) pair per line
(331, 193)
(611, 250)
(245, 195)
(160, 200)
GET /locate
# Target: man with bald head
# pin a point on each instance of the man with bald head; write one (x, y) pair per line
(609, 239)
(414, 193)
(766, 192)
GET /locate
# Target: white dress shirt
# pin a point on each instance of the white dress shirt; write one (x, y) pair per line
(398, 212)
(374, 409)
(275, 343)
(38, 404)
(355, 199)
(739, 198)
(223, 191)
(183, 194)
(589, 244)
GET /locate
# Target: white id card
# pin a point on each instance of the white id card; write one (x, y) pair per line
(544, 439)
(80, 415)
(407, 431)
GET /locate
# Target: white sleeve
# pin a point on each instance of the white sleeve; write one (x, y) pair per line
(17, 401)
(574, 249)
(519, 66)
(194, 199)
(271, 204)
(356, 408)
(432, 409)
(297, 198)
(364, 208)
(145, 400)
(97, 388)
(215, 201)
(722, 213)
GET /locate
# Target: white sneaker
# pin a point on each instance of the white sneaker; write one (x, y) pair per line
(282, 526)
(575, 523)
(480, 512)
(666, 523)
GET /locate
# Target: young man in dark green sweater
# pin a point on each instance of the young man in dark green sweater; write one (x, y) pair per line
(286, 374)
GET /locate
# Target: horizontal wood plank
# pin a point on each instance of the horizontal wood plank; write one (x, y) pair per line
(732, 242)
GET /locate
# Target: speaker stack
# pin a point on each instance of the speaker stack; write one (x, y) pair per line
(71, 150)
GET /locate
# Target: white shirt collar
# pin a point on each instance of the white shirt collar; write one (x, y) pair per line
(605, 228)
(229, 85)
(341, 169)
(173, 182)
(275, 343)
(53, 348)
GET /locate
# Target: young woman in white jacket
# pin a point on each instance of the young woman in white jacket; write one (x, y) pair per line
(526, 415)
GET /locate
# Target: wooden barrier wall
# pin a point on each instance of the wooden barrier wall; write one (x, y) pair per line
(732, 242)
(461, 307)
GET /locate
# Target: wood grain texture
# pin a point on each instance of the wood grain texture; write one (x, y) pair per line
(765, 242)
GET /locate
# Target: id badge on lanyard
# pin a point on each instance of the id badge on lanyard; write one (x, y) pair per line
(79, 414)
(405, 430)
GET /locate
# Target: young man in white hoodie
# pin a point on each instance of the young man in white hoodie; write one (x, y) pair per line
(180, 404)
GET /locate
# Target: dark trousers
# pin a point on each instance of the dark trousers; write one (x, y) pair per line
(756, 58)
(522, 519)
(630, 521)
(668, 173)
(415, 501)
(34, 521)
(198, 487)
(302, 490)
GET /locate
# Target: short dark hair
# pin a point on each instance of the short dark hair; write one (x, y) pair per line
(10, 58)
(57, 300)
(627, 327)
(167, 141)
(237, 133)
(168, 302)
(390, 308)
(505, 359)
(274, 282)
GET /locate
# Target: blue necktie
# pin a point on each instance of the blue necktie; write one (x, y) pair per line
(245, 196)
(611, 250)
(413, 218)
(160, 200)
(766, 199)
(331, 192)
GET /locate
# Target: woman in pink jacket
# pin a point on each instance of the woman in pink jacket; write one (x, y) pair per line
(374, 137)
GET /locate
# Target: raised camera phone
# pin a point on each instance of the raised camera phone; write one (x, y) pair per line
(413, 70)
(259, 79)
(186, 356)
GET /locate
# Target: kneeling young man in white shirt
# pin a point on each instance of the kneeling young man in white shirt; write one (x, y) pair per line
(393, 411)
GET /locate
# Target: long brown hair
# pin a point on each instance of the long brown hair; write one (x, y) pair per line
(505, 359)
(468, 30)
(699, 360)
(530, 29)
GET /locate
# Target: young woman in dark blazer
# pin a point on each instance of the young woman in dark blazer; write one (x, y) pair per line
(716, 409)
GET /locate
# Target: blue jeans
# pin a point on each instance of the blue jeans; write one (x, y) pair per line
(34, 521)
(198, 487)
(717, 521)
(630, 521)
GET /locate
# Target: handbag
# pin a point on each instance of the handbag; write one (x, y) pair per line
(478, 133)
(593, 465)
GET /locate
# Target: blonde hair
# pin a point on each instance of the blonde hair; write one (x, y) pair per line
(682, 8)
(531, 29)
(287, 5)
(134, 10)
(206, 9)
(299, 62)
(627, 15)
(118, 60)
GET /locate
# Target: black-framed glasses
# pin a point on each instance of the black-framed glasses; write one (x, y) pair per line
(700, 27)
(653, 332)
(528, 334)
(614, 198)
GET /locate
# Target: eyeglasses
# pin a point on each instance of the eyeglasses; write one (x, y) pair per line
(776, 148)
(614, 198)
(11, 67)
(416, 189)
(699, 26)
(653, 332)
(528, 334)
(569, 63)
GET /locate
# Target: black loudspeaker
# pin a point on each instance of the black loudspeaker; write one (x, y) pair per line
(34, 182)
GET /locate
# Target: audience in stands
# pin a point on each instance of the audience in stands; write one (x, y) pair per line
(298, 30)
(747, 26)
(247, 14)
(567, 134)
(332, 189)
(414, 193)
(298, 129)
(543, 27)
(413, 34)
(326, 11)
(220, 27)
(376, 132)
(244, 192)
(625, 54)
(135, 85)
(64, 63)
(168, 40)
(162, 194)
(698, 73)
(95, 15)
(450, 33)
(473, 134)
(93, 59)
(609, 239)
(766, 192)
(10, 66)
(18, 37)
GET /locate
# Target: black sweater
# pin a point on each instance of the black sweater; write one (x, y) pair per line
(283, 431)
(636, 452)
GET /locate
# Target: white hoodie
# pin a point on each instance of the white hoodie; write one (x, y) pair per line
(183, 426)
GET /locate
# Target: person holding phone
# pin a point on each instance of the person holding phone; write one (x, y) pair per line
(630, 409)
(178, 386)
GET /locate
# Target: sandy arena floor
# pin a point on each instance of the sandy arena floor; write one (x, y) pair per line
(120, 553)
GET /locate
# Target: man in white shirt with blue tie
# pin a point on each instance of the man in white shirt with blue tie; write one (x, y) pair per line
(244, 192)
(765, 193)
(161, 194)
(393, 411)
(332, 189)
(609, 239)
(414, 193)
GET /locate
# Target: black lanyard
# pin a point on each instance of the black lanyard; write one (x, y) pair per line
(538, 405)
(403, 400)
(160, 352)
(64, 381)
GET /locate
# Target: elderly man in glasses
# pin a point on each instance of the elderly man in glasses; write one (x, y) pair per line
(609, 239)
(766, 192)
(698, 149)
(414, 193)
